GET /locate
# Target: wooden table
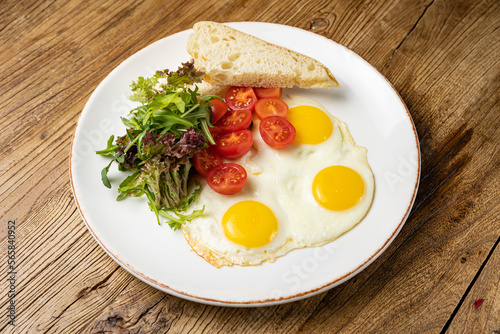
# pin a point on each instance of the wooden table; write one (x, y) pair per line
(442, 56)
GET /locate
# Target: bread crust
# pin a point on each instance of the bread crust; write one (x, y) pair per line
(232, 58)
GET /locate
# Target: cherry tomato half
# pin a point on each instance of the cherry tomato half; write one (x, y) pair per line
(219, 108)
(206, 159)
(264, 93)
(238, 98)
(235, 120)
(235, 144)
(277, 131)
(271, 107)
(216, 132)
(227, 179)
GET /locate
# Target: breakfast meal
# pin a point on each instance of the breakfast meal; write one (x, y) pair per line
(272, 172)
(306, 194)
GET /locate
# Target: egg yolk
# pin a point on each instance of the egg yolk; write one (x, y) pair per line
(250, 224)
(338, 188)
(313, 126)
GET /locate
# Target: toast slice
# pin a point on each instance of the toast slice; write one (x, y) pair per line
(232, 58)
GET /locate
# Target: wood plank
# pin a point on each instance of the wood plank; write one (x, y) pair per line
(486, 317)
(161, 312)
(75, 272)
(432, 51)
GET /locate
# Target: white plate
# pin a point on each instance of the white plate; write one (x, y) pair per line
(377, 119)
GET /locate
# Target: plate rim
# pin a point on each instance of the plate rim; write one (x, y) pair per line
(270, 301)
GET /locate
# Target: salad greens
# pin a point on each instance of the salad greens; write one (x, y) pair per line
(163, 133)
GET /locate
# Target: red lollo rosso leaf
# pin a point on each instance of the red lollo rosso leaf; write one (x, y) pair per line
(478, 303)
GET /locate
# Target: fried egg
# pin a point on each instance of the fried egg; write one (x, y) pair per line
(304, 195)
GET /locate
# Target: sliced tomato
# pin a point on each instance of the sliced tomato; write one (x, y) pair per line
(235, 144)
(238, 98)
(227, 179)
(277, 131)
(206, 159)
(219, 108)
(271, 107)
(216, 132)
(265, 93)
(235, 120)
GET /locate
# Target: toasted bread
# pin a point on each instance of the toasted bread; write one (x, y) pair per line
(232, 58)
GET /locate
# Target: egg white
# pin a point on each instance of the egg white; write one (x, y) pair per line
(282, 179)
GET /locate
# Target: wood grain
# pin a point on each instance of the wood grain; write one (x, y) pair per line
(442, 56)
(486, 317)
